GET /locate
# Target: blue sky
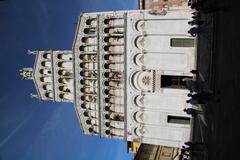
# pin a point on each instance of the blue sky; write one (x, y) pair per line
(38, 130)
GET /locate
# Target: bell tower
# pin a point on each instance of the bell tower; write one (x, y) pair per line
(52, 74)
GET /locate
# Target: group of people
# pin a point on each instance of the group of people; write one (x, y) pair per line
(196, 22)
(199, 94)
(191, 148)
(203, 6)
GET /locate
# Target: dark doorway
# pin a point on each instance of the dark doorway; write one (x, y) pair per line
(168, 81)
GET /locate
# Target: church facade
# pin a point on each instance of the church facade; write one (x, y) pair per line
(124, 75)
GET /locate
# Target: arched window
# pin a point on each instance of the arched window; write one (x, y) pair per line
(65, 80)
(61, 88)
(82, 98)
(106, 91)
(106, 21)
(49, 95)
(82, 90)
(45, 79)
(114, 30)
(65, 56)
(89, 40)
(106, 30)
(83, 105)
(114, 22)
(106, 48)
(143, 80)
(107, 108)
(114, 48)
(106, 39)
(140, 26)
(65, 72)
(107, 100)
(107, 116)
(42, 79)
(88, 121)
(46, 64)
(138, 117)
(45, 71)
(61, 96)
(89, 31)
(107, 124)
(82, 48)
(106, 83)
(64, 89)
(90, 130)
(84, 39)
(107, 132)
(65, 65)
(86, 114)
(82, 65)
(47, 87)
(47, 55)
(90, 21)
(106, 57)
(106, 65)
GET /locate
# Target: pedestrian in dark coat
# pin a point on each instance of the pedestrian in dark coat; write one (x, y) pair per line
(194, 5)
(204, 96)
(192, 111)
(194, 31)
(189, 143)
(193, 101)
(192, 85)
(195, 13)
(196, 22)
(195, 146)
(189, 3)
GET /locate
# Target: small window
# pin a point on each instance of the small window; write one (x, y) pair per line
(178, 120)
(182, 42)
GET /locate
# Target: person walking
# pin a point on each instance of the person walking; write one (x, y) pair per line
(192, 111)
(204, 96)
(192, 85)
(196, 99)
(194, 31)
(196, 22)
(195, 146)
(189, 143)
(185, 152)
(195, 13)
(193, 101)
(198, 73)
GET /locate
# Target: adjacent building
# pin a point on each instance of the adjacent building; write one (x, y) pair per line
(159, 4)
(153, 152)
(124, 75)
(156, 152)
(133, 147)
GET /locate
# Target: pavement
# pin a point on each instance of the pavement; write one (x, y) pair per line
(219, 62)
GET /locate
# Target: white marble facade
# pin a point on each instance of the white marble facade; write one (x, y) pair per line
(125, 74)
